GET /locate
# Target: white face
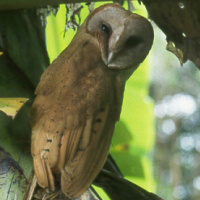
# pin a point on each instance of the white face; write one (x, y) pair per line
(125, 38)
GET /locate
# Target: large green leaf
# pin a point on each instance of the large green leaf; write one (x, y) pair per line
(12, 179)
(23, 58)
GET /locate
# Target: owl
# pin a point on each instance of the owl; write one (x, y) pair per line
(79, 98)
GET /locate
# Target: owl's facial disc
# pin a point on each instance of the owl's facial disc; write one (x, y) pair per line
(124, 38)
(129, 45)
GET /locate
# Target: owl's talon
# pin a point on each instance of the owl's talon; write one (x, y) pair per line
(51, 196)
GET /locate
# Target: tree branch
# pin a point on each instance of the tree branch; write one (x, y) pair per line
(23, 4)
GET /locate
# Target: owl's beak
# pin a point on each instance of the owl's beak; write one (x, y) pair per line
(114, 45)
(110, 57)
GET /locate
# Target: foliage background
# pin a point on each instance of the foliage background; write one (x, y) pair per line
(176, 92)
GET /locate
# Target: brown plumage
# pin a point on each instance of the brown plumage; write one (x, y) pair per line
(79, 97)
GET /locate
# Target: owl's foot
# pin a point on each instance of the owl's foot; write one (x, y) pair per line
(51, 196)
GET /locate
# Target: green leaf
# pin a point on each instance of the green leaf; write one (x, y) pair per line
(12, 180)
(22, 40)
(11, 106)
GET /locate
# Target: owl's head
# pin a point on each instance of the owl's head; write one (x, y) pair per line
(124, 38)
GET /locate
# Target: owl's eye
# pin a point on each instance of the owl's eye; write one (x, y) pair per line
(134, 41)
(105, 28)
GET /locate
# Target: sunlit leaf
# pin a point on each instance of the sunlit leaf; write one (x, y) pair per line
(11, 106)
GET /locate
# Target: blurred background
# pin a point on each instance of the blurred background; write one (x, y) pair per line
(176, 93)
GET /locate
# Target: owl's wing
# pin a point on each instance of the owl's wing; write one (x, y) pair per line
(45, 141)
(83, 152)
(77, 150)
(72, 122)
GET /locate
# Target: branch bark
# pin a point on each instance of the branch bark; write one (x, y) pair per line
(23, 4)
(180, 23)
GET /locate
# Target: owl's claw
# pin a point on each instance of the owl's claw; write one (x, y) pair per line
(51, 196)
